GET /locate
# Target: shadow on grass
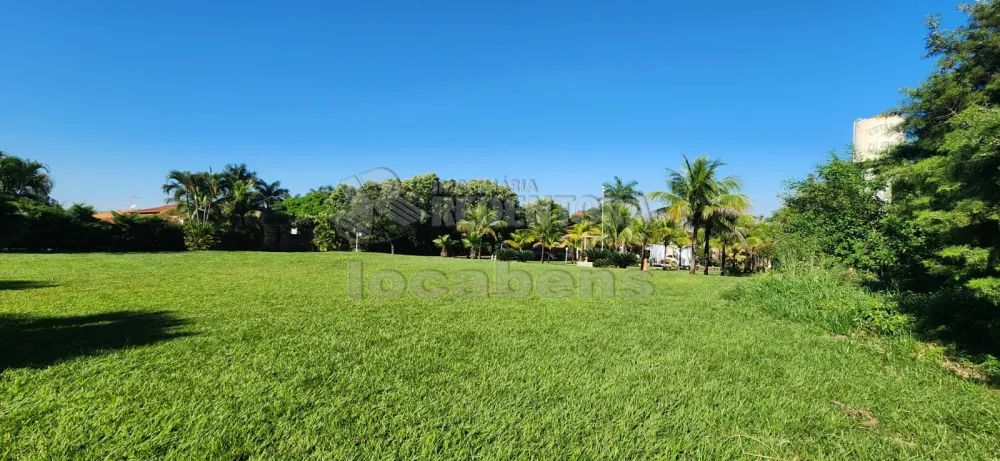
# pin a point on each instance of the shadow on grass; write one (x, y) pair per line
(22, 284)
(958, 318)
(37, 342)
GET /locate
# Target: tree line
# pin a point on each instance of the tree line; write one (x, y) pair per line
(235, 209)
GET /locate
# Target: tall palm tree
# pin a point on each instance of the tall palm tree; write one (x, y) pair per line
(519, 239)
(271, 193)
(443, 242)
(696, 192)
(623, 192)
(480, 221)
(24, 178)
(547, 229)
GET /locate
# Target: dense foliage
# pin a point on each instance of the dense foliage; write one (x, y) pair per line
(44, 227)
(836, 212)
(924, 219)
(947, 179)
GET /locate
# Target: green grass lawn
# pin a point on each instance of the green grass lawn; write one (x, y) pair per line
(247, 355)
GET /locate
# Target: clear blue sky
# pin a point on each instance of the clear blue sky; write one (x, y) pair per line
(112, 94)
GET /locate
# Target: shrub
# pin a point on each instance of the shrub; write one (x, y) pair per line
(596, 254)
(44, 227)
(827, 298)
(514, 254)
(508, 254)
(133, 233)
(618, 259)
(200, 236)
(325, 236)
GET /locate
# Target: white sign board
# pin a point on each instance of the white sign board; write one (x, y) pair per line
(873, 136)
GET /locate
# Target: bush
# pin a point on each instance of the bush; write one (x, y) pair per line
(132, 233)
(596, 254)
(618, 259)
(514, 254)
(43, 227)
(200, 236)
(325, 236)
(827, 298)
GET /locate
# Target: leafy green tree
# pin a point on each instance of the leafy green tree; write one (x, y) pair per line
(946, 179)
(836, 211)
(310, 205)
(696, 192)
(325, 235)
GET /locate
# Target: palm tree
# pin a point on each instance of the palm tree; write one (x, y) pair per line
(196, 194)
(665, 229)
(723, 216)
(443, 242)
(234, 173)
(182, 189)
(271, 193)
(241, 200)
(577, 234)
(696, 193)
(639, 231)
(519, 239)
(472, 242)
(547, 230)
(480, 221)
(23, 178)
(617, 217)
(623, 192)
(732, 230)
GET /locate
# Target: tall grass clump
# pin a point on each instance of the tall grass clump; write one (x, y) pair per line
(826, 297)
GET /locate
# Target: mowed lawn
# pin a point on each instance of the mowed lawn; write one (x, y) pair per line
(257, 355)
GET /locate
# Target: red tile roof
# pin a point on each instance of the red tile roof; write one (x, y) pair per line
(155, 211)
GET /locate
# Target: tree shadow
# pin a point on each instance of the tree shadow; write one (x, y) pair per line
(969, 326)
(37, 342)
(22, 284)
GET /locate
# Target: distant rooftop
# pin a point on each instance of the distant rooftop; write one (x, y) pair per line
(155, 211)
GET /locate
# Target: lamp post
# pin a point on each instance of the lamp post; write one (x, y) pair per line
(602, 217)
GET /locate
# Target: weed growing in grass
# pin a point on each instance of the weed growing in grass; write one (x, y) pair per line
(823, 297)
